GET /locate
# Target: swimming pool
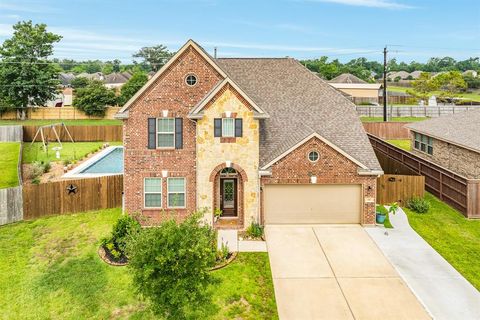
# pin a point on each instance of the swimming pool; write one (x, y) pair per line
(108, 162)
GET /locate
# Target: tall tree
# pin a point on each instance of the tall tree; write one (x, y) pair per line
(27, 77)
(132, 86)
(155, 56)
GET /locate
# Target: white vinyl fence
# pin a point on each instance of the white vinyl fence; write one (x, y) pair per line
(412, 111)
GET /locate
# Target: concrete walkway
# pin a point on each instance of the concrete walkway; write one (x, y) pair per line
(335, 272)
(443, 291)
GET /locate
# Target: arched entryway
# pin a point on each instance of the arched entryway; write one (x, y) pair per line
(228, 194)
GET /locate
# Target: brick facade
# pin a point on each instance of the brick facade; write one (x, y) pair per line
(455, 158)
(331, 168)
(169, 92)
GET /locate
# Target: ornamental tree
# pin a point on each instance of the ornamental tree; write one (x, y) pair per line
(94, 98)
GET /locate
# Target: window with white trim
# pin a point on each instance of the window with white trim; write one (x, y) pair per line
(166, 133)
(423, 143)
(152, 189)
(176, 192)
(313, 156)
(228, 127)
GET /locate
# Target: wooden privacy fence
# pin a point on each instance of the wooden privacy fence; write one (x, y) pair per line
(399, 188)
(64, 113)
(412, 111)
(388, 130)
(79, 133)
(11, 204)
(11, 134)
(458, 191)
(71, 196)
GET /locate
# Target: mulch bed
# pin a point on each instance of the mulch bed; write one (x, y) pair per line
(232, 256)
(106, 256)
(245, 237)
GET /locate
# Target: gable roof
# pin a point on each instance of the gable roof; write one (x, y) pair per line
(115, 78)
(347, 78)
(300, 105)
(227, 81)
(460, 129)
(189, 43)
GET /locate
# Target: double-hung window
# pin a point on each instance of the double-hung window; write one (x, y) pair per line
(166, 133)
(423, 143)
(152, 190)
(176, 192)
(228, 127)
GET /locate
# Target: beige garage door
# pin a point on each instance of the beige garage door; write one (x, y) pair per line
(313, 203)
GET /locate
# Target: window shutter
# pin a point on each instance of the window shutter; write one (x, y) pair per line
(152, 134)
(178, 133)
(217, 130)
(238, 127)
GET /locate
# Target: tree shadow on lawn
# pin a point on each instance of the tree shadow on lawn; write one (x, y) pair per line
(79, 282)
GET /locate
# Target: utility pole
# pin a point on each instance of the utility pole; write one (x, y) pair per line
(215, 52)
(385, 84)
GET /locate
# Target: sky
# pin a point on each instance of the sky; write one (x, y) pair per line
(303, 29)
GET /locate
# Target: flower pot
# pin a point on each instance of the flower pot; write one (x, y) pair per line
(381, 218)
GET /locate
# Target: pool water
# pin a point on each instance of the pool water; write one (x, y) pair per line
(112, 162)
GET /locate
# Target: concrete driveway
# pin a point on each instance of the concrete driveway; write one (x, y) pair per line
(335, 272)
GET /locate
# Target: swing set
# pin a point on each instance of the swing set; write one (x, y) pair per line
(46, 130)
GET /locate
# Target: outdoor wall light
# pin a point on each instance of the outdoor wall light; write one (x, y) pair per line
(164, 173)
(165, 113)
(228, 164)
(228, 114)
(313, 179)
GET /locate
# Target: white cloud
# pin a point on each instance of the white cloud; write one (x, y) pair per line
(31, 7)
(385, 4)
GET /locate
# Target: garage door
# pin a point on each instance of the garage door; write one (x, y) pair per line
(313, 203)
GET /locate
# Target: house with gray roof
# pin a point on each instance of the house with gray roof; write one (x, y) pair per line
(357, 89)
(451, 141)
(253, 139)
(115, 80)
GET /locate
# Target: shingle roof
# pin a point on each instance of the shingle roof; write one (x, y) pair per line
(460, 129)
(115, 78)
(299, 104)
(66, 78)
(347, 78)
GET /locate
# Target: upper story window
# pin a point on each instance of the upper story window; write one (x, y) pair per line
(166, 133)
(313, 156)
(228, 127)
(423, 143)
(191, 80)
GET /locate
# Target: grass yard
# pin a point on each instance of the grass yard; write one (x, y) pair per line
(9, 152)
(398, 119)
(402, 144)
(457, 239)
(50, 270)
(70, 151)
(474, 96)
(86, 122)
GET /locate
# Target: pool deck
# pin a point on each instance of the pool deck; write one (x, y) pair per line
(77, 171)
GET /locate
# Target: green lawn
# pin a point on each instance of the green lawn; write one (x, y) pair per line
(86, 122)
(71, 151)
(50, 270)
(398, 119)
(9, 152)
(401, 143)
(456, 238)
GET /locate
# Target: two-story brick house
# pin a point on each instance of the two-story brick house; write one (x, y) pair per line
(260, 139)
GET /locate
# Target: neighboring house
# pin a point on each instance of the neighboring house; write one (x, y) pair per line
(415, 74)
(359, 90)
(402, 75)
(126, 74)
(452, 142)
(115, 80)
(92, 76)
(66, 79)
(260, 139)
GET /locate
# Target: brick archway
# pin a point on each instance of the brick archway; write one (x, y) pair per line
(241, 178)
(222, 166)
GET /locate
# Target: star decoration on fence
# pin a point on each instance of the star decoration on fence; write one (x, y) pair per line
(72, 189)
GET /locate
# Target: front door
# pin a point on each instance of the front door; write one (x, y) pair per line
(228, 197)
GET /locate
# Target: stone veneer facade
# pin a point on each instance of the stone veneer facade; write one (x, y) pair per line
(331, 168)
(462, 161)
(243, 152)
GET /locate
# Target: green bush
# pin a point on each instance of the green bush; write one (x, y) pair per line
(419, 205)
(255, 230)
(94, 98)
(222, 254)
(124, 228)
(170, 266)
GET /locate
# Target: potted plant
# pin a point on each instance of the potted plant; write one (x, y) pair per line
(216, 214)
(381, 214)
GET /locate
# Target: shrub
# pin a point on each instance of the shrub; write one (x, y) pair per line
(419, 205)
(122, 230)
(222, 254)
(170, 266)
(255, 230)
(94, 98)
